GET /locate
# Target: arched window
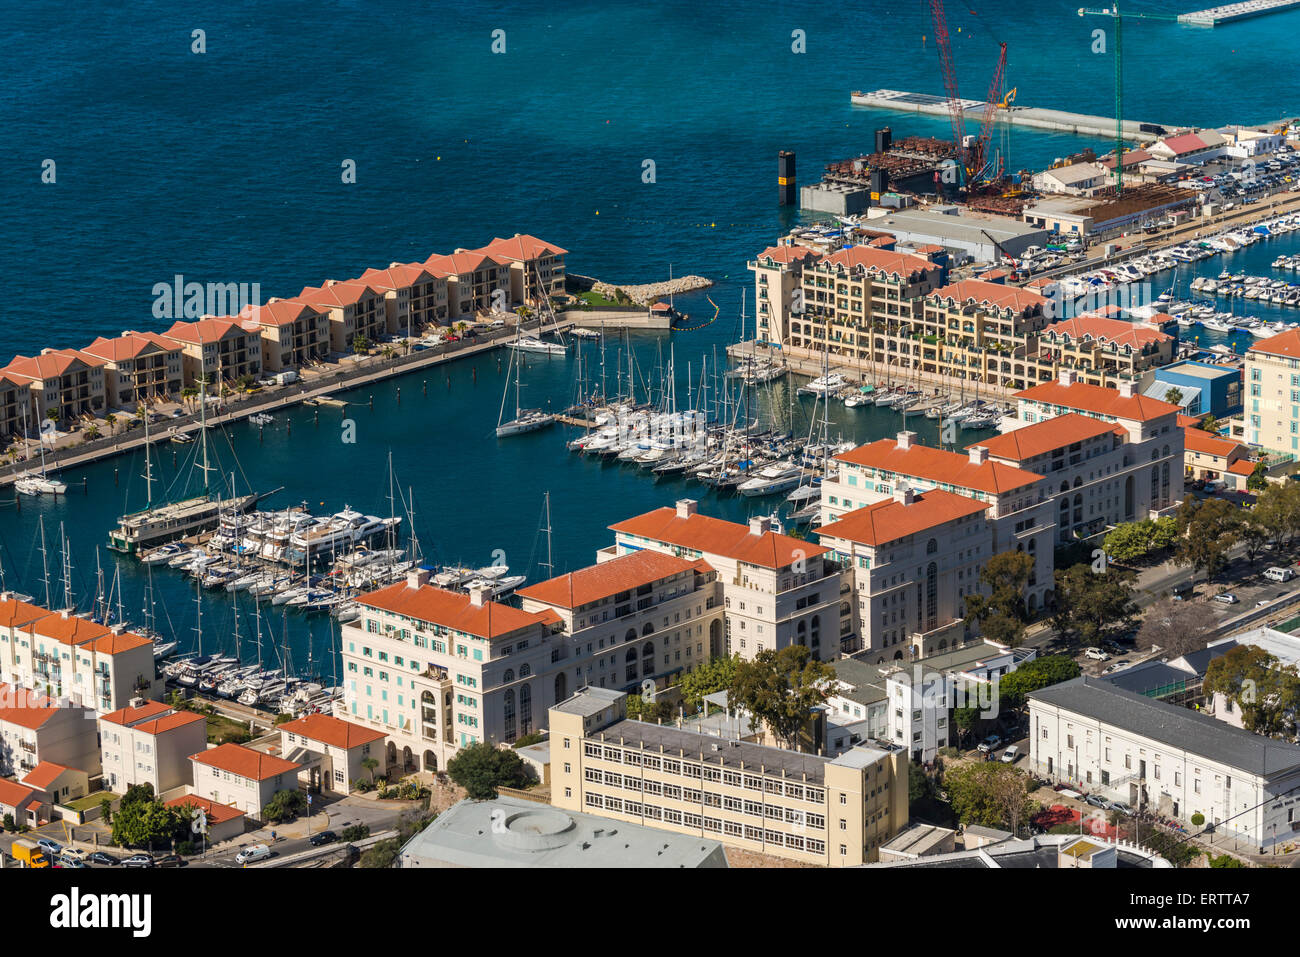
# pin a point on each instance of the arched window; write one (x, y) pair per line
(1155, 454)
(508, 677)
(526, 708)
(561, 687)
(931, 547)
(648, 629)
(525, 671)
(631, 635)
(508, 714)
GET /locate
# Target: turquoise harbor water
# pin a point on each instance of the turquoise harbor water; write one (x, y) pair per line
(225, 167)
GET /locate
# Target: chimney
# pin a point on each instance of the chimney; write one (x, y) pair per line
(1127, 389)
(1067, 377)
(904, 495)
(978, 455)
(760, 524)
(478, 594)
(136, 702)
(417, 577)
(906, 439)
(686, 507)
(64, 613)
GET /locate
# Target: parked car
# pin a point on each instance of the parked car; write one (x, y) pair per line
(1010, 755)
(1121, 807)
(170, 860)
(324, 837)
(64, 861)
(1096, 801)
(52, 848)
(989, 744)
(138, 860)
(1227, 598)
(108, 860)
(74, 853)
(1095, 654)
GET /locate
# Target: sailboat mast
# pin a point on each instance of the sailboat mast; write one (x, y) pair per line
(550, 564)
(45, 563)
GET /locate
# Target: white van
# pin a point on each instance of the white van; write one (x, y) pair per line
(1276, 574)
(254, 852)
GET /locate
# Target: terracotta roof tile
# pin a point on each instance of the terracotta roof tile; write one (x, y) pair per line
(215, 813)
(452, 610)
(789, 254)
(989, 293)
(1198, 440)
(208, 330)
(1102, 329)
(1031, 440)
(1283, 344)
(937, 465)
(1099, 400)
(130, 345)
(13, 794)
(332, 731)
(714, 535)
(873, 259)
(43, 775)
(890, 520)
(247, 763)
(606, 579)
(522, 248)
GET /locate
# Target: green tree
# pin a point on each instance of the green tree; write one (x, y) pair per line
(360, 344)
(146, 821)
(1210, 528)
(991, 794)
(528, 739)
(1014, 686)
(656, 710)
(1257, 481)
(780, 689)
(706, 679)
(1209, 424)
(1093, 605)
(1002, 614)
(380, 855)
(482, 768)
(106, 810)
(1132, 541)
(110, 420)
(284, 805)
(1278, 509)
(53, 413)
(1174, 395)
(966, 720)
(1266, 692)
(1223, 860)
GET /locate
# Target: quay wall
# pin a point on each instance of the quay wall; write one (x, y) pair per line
(1230, 12)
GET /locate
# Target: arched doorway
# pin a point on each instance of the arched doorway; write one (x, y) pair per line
(408, 760)
(392, 753)
(430, 761)
(561, 687)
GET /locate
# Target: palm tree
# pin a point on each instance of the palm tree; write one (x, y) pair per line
(110, 420)
(370, 764)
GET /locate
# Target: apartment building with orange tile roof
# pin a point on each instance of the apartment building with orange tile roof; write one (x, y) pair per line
(355, 309)
(294, 334)
(15, 405)
(1213, 458)
(332, 751)
(646, 616)
(148, 742)
(241, 777)
(852, 301)
(1140, 478)
(778, 289)
(536, 267)
(224, 823)
(436, 670)
(138, 367)
(776, 590)
(415, 295)
(1102, 350)
(57, 783)
(914, 558)
(477, 283)
(36, 727)
(60, 381)
(1016, 499)
(220, 348)
(94, 665)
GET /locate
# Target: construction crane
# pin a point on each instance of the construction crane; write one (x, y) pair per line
(975, 158)
(1114, 13)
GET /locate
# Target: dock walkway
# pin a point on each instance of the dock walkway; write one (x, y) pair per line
(1228, 12)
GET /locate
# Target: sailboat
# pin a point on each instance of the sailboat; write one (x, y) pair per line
(525, 420)
(38, 483)
(155, 526)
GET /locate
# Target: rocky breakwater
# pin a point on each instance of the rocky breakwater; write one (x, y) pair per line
(647, 293)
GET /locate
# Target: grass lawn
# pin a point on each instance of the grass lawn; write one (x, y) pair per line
(592, 298)
(90, 801)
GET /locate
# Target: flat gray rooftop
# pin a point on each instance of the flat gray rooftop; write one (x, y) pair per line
(1171, 725)
(589, 701)
(679, 742)
(509, 832)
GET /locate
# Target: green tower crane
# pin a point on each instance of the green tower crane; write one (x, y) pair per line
(1114, 13)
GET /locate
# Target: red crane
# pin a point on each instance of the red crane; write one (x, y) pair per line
(979, 154)
(944, 44)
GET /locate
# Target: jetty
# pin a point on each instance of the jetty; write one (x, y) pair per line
(1034, 117)
(1228, 12)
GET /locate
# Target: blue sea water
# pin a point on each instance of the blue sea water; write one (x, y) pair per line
(226, 167)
